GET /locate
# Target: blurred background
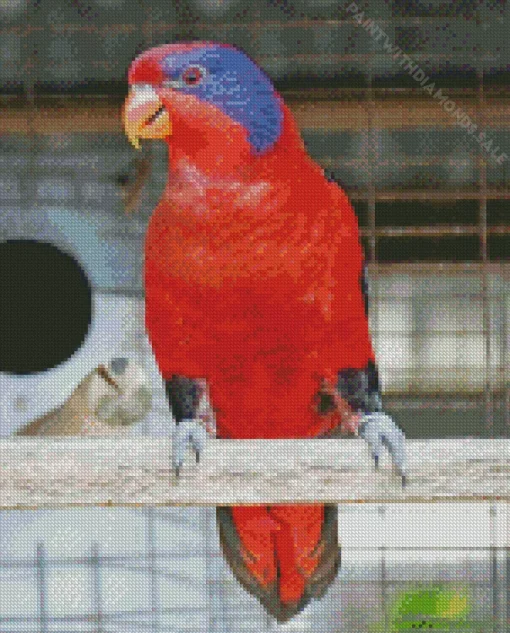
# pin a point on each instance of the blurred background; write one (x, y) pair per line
(433, 206)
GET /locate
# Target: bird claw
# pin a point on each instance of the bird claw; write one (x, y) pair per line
(379, 430)
(328, 401)
(189, 433)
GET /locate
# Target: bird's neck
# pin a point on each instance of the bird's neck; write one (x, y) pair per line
(213, 151)
(217, 153)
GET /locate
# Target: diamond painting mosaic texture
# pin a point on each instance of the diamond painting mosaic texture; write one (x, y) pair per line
(172, 265)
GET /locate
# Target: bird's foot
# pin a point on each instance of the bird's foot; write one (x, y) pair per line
(329, 402)
(197, 455)
(325, 399)
(177, 470)
(376, 462)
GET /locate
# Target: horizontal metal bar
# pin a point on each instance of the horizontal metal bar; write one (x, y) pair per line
(66, 117)
(427, 548)
(404, 161)
(128, 561)
(446, 269)
(303, 94)
(252, 25)
(433, 231)
(430, 195)
(386, 231)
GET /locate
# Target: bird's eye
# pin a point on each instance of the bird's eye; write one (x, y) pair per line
(193, 75)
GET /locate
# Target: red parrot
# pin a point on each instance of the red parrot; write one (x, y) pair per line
(253, 282)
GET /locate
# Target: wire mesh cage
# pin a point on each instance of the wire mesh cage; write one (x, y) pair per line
(430, 197)
(432, 202)
(161, 570)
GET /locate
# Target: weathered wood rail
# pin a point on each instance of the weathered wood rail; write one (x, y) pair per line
(136, 471)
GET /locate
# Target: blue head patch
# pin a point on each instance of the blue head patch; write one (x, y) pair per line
(228, 79)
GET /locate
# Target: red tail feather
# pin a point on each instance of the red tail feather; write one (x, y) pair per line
(285, 555)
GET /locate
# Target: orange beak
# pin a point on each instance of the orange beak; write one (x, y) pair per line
(144, 115)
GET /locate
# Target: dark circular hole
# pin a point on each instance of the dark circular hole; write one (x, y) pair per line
(45, 306)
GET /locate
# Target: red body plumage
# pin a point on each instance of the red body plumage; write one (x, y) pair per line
(253, 281)
(252, 278)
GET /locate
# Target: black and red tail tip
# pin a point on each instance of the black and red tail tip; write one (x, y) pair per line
(269, 595)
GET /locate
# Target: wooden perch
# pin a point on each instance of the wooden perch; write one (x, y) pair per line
(135, 471)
